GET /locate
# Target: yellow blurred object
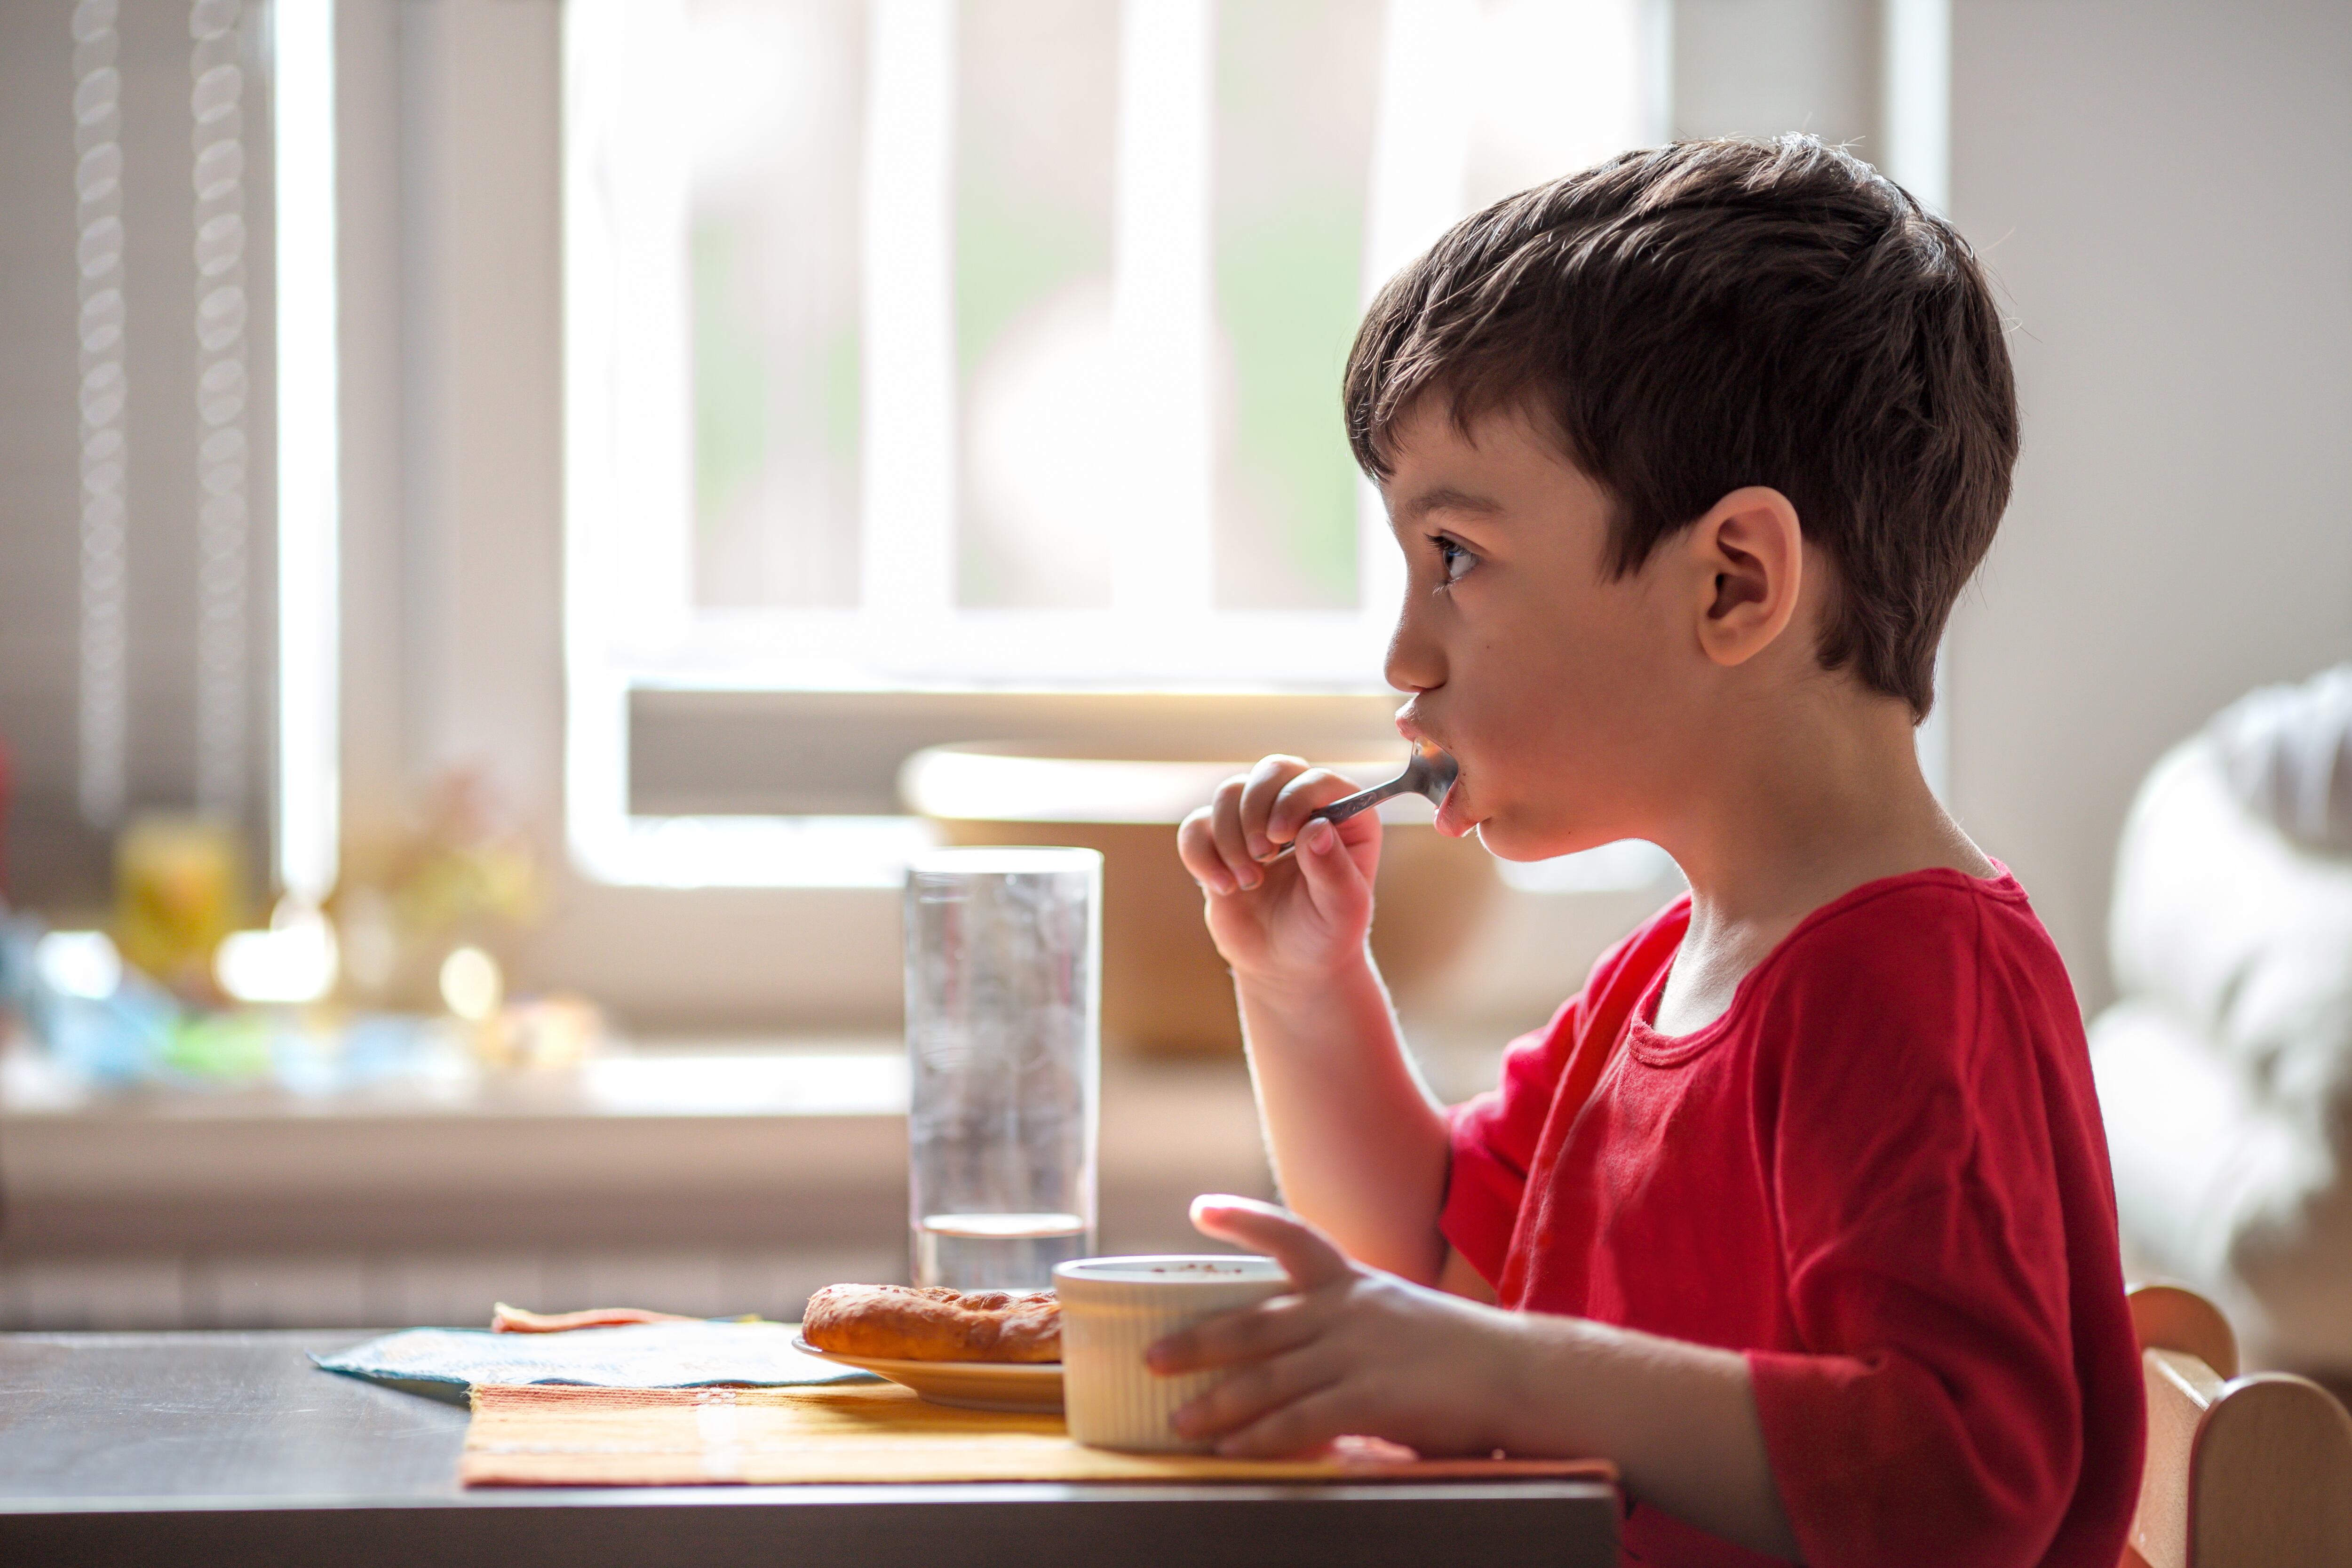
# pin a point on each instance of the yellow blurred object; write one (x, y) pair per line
(179, 888)
(451, 879)
(545, 1032)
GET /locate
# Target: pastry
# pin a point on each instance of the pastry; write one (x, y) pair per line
(908, 1322)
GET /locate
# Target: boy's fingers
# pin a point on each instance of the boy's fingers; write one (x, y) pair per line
(1313, 788)
(1337, 886)
(1265, 784)
(1251, 1334)
(1248, 1395)
(1196, 846)
(1297, 1426)
(1306, 1254)
(1226, 817)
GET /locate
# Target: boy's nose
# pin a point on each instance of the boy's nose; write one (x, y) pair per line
(1414, 661)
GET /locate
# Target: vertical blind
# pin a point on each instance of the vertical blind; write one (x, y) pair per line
(134, 394)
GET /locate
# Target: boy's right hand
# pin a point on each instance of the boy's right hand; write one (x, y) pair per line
(1299, 920)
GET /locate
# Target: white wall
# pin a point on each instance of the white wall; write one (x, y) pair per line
(1758, 68)
(2165, 193)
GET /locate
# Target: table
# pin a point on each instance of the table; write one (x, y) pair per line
(194, 1448)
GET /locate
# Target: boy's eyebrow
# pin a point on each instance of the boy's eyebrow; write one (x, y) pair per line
(1445, 498)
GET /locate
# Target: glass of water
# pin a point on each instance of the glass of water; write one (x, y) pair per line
(1004, 1038)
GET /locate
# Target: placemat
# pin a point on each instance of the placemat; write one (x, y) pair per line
(540, 1436)
(640, 1355)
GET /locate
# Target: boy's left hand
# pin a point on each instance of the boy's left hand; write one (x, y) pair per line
(1352, 1351)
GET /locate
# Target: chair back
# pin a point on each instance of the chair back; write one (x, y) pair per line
(2242, 1472)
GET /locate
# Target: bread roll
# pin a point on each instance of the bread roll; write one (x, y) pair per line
(906, 1322)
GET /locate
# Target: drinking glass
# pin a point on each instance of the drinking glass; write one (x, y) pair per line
(1004, 1041)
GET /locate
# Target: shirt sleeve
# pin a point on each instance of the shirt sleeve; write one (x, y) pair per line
(1934, 1416)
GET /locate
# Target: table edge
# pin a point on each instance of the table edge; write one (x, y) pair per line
(877, 1494)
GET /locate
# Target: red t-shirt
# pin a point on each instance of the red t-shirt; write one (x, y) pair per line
(1881, 1174)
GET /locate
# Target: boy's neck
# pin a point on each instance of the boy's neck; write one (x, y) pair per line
(1808, 802)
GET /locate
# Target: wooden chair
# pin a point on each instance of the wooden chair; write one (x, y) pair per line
(2242, 1472)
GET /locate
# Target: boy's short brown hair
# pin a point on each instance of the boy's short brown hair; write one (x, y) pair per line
(1714, 314)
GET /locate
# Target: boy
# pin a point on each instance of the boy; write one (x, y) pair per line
(1799, 1211)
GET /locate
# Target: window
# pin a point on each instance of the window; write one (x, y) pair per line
(927, 347)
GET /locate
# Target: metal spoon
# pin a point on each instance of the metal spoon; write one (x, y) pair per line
(1427, 772)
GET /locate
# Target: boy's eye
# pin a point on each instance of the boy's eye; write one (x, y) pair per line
(1454, 558)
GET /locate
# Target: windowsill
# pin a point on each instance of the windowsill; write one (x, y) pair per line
(851, 1077)
(799, 1142)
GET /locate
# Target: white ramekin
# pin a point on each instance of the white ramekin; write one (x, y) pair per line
(1115, 1308)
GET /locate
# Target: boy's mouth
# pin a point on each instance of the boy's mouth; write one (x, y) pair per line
(1408, 724)
(1453, 816)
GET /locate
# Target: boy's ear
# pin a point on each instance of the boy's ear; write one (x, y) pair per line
(1748, 555)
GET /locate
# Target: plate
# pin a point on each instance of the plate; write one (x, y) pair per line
(968, 1384)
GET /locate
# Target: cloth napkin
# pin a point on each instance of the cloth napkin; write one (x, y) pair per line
(690, 1355)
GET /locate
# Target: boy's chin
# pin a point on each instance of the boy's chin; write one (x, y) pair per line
(1505, 841)
(1498, 839)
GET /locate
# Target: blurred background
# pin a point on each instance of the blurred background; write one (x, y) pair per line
(521, 515)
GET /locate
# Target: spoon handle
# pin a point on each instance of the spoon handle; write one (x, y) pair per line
(1345, 808)
(1362, 800)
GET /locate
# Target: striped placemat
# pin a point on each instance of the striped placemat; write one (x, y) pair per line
(542, 1435)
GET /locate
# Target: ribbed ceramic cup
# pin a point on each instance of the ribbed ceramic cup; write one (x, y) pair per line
(1115, 1308)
